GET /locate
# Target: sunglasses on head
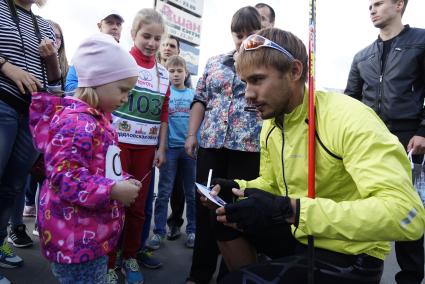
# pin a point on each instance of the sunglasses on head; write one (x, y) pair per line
(256, 41)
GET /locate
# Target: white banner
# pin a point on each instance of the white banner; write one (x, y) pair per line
(181, 24)
(195, 6)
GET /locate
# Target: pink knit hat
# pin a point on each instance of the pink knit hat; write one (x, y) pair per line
(100, 60)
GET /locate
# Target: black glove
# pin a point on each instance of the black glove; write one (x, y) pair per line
(226, 186)
(259, 210)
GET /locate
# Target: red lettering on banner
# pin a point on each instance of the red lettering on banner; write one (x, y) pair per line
(178, 20)
(196, 28)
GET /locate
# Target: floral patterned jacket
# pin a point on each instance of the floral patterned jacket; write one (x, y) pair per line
(226, 124)
(77, 219)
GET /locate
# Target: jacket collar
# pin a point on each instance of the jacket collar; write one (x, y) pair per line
(299, 114)
(406, 28)
(141, 59)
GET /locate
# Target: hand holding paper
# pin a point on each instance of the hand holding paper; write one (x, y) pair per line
(206, 191)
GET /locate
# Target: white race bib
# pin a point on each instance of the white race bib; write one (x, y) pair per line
(113, 169)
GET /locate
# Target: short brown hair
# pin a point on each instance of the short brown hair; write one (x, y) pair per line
(176, 60)
(271, 10)
(246, 19)
(404, 7)
(265, 56)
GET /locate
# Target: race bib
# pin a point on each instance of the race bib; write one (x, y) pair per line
(113, 169)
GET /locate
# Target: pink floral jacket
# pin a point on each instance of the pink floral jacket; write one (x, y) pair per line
(77, 219)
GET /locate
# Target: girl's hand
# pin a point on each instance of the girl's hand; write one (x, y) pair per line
(47, 48)
(159, 159)
(125, 191)
(135, 182)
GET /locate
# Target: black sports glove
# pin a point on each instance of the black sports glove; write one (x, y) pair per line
(226, 186)
(259, 210)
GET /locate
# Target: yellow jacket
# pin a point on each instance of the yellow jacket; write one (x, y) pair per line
(364, 192)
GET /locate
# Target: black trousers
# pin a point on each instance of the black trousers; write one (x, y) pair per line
(330, 268)
(228, 164)
(410, 254)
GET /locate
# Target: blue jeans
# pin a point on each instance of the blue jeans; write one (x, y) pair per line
(26, 197)
(90, 272)
(176, 158)
(16, 217)
(30, 190)
(148, 212)
(17, 155)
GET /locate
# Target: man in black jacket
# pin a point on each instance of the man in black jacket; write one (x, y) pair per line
(389, 76)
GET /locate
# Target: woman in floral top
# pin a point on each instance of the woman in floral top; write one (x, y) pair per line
(229, 136)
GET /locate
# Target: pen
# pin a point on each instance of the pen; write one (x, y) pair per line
(209, 179)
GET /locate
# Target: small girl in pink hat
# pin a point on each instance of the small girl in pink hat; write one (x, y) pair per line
(80, 213)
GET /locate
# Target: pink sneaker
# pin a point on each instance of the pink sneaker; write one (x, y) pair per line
(29, 211)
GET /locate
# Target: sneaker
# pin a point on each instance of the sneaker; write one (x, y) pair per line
(132, 272)
(146, 259)
(4, 280)
(174, 233)
(8, 259)
(19, 237)
(155, 242)
(190, 241)
(35, 231)
(112, 277)
(29, 211)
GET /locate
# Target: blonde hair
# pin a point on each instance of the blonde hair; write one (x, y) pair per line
(63, 61)
(146, 16)
(88, 95)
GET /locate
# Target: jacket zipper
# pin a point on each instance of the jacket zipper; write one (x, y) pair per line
(283, 164)
(380, 92)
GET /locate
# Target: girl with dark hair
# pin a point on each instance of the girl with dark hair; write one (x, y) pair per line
(229, 136)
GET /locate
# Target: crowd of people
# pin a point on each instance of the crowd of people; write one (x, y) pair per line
(80, 144)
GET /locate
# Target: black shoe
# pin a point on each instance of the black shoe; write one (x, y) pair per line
(19, 237)
(174, 233)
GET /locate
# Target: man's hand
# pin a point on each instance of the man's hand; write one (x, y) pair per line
(22, 79)
(417, 144)
(258, 211)
(191, 146)
(223, 188)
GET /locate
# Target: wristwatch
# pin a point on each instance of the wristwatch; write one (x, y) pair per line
(2, 62)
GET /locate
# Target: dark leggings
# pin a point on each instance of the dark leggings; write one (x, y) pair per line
(409, 254)
(330, 267)
(227, 164)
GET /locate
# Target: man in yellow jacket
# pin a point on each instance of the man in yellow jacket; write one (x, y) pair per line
(364, 193)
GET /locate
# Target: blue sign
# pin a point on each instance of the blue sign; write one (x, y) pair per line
(191, 55)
